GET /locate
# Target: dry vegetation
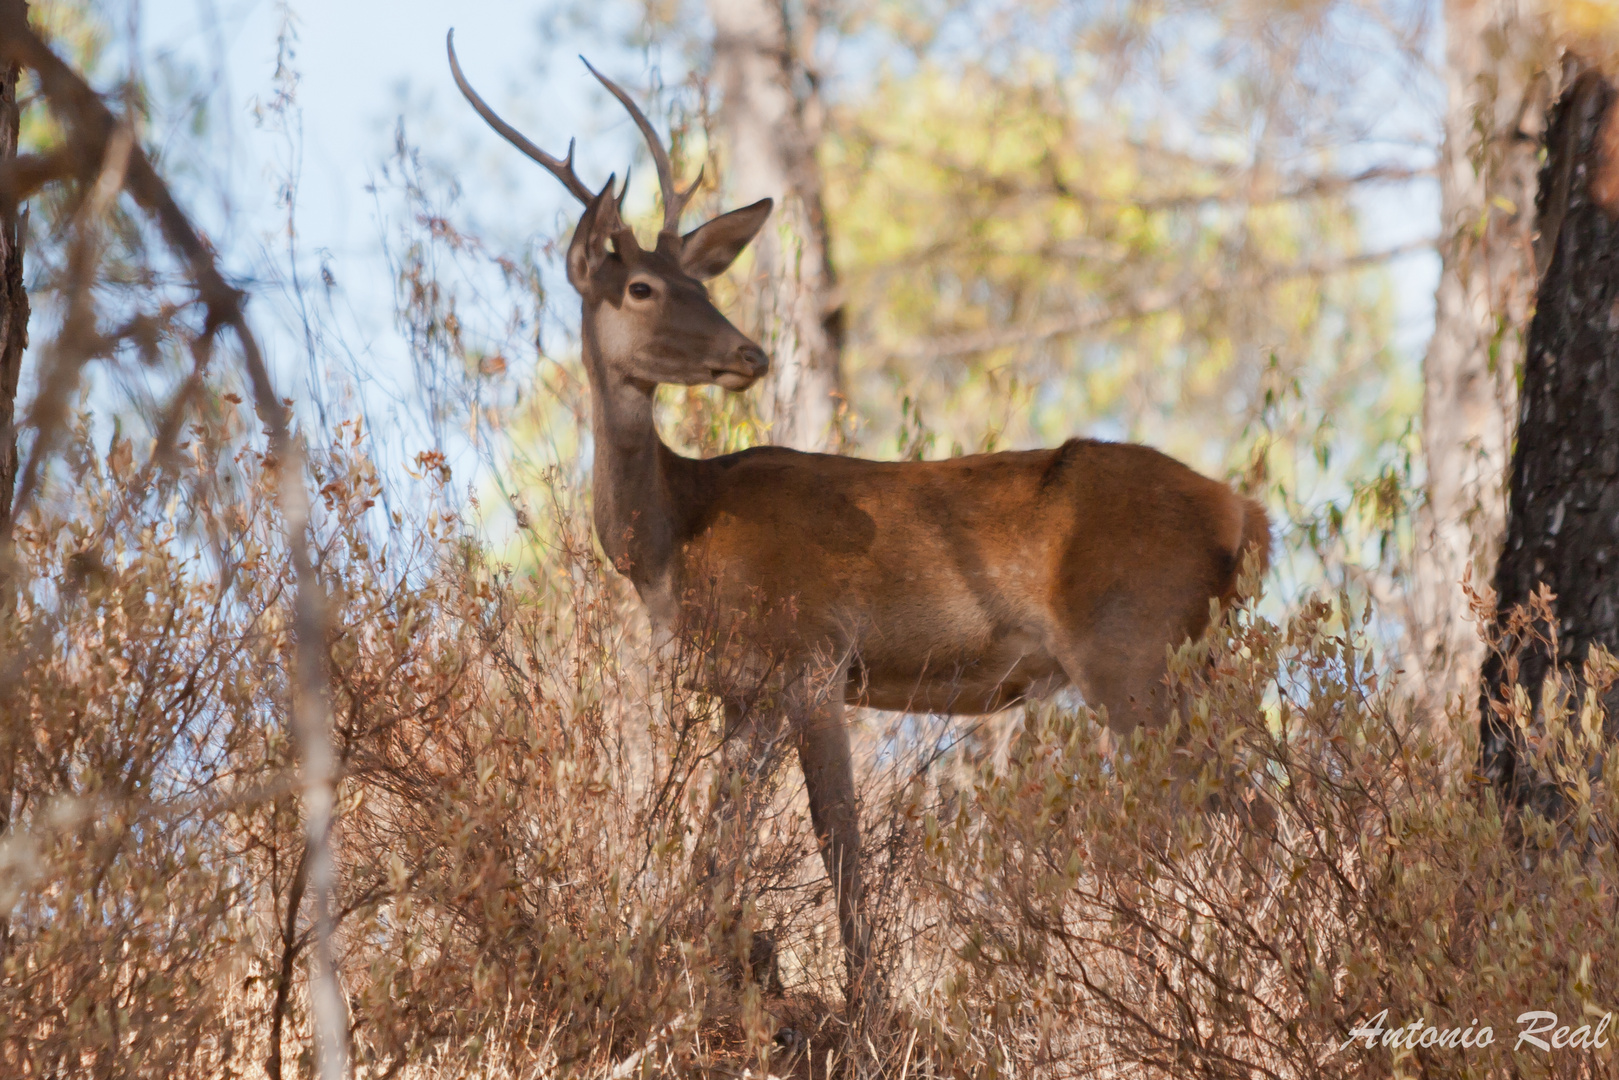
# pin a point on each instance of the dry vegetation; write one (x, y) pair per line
(534, 880)
(550, 860)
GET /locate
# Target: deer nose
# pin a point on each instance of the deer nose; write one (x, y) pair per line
(742, 368)
(754, 356)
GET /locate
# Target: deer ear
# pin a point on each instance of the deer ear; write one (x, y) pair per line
(588, 249)
(708, 249)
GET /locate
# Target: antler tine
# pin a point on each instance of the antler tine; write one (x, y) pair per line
(561, 169)
(674, 200)
(689, 192)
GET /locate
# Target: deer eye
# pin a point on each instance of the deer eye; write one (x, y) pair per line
(640, 290)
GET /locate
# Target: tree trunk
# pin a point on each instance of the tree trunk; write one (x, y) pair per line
(13, 338)
(1563, 528)
(1486, 178)
(13, 309)
(770, 120)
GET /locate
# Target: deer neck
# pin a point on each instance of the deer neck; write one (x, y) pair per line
(633, 489)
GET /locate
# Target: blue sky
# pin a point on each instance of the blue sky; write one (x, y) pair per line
(363, 63)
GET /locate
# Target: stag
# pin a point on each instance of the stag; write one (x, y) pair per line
(953, 587)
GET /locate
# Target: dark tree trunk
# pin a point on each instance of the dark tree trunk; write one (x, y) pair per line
(1563, 516)
(13, 306)
(13, 336)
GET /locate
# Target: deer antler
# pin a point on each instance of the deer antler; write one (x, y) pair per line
(674, 200)
(562, 168)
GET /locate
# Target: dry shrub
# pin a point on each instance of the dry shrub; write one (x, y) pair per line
(553, 862)
(1106, 921)
(533, 872)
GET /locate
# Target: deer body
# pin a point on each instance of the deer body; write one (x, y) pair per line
(954, 586)
(957, 586)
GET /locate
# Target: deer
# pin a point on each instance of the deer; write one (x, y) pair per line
(956, 587)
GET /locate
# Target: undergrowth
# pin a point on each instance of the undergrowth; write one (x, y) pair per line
(539, 875)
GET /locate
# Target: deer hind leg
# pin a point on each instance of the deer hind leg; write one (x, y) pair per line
(1114, 643)
(822, 736)
(1121, 670)
(1120, 667)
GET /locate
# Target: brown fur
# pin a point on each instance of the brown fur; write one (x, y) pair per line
(961, 586)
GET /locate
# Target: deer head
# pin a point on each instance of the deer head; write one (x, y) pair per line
(647, 317)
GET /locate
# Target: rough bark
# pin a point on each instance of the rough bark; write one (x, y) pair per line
(1563, 526)
(770, 119)
(13, 339)
(13, 298)
(1486, 176)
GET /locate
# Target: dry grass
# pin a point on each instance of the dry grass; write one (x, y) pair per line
(538, 874)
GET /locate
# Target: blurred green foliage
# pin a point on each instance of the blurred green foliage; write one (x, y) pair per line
(1025, 267)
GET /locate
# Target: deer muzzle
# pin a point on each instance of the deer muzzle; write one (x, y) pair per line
(742, 368)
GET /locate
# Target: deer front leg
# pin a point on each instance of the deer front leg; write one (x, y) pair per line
(823, 752)
(752, 748)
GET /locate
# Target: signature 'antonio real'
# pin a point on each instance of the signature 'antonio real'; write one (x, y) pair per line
(1533, 1025)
